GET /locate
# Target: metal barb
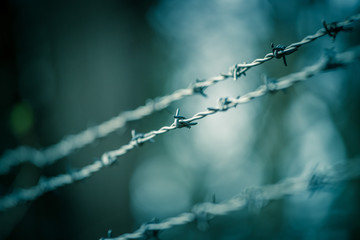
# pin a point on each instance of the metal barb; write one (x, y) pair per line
(71, 143)
(224, 103)
(279, 52)
(151, 233)
(108, 158)
(199, 89)
(270, 84)
(40, 156)
(332, 29)
(213, 109)
(250, 198)
(179, 121)
(318, 181)
(203, 218)
(330, 58)
(136, 137)
(236, 71)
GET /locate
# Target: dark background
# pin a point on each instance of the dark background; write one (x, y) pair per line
(68, 65)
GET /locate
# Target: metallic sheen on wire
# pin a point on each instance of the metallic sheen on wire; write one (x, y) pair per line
(70, 143)
(255, 197)
(108, 158)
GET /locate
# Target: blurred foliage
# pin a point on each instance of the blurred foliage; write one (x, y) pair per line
(21, 119)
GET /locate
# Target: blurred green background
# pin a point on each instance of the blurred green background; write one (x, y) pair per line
(68, 65)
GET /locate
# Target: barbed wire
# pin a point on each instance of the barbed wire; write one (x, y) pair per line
(108, 158)
(253, 198)
(70, 143)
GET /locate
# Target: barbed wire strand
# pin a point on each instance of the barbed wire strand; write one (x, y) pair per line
(70, 143)
(253, 198)
(108, 158)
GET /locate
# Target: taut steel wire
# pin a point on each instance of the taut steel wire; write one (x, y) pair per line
(254, 197)
(224, 104)
(70, 143)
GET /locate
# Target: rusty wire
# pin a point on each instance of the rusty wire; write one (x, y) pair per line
(253, 198)
(224, 104)
(70, 143)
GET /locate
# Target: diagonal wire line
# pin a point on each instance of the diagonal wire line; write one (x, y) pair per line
(108, 158)
(70, 143)
(254, 198)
